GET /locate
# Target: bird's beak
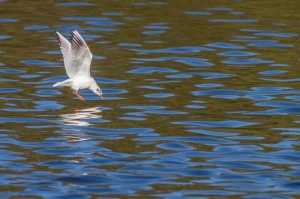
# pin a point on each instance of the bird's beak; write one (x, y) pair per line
(101, 96)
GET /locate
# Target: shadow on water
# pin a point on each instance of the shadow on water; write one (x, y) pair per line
(201, 100)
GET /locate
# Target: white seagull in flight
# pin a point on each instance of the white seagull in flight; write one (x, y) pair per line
(77, 60)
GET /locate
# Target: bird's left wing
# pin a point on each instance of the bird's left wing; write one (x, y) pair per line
(66, 49)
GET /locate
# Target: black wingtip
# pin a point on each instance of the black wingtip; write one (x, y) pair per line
(76, 40)
(72, 33)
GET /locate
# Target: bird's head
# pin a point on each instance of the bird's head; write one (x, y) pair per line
(97, 90)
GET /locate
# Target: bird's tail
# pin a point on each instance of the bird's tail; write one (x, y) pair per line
(67, 82)
(57, 84)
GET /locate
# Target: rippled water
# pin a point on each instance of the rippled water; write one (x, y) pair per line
(202, 100)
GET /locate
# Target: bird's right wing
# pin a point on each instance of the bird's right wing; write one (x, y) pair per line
(66, 49)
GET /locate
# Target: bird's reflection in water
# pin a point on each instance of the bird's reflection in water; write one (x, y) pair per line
(81, 117)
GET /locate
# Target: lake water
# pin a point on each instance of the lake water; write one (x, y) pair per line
(202, 100)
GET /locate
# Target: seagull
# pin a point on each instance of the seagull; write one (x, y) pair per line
(77, 61)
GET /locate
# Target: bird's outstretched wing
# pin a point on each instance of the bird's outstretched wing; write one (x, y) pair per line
(77, 55)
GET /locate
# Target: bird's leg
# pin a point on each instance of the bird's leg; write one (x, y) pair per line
(79, 96)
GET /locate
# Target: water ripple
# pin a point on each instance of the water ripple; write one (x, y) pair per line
(274, 34)
(186, 60)
(7, 20)
(159, 95)
(151, 69)
(144, 107)
(85, 19)
(234, 20)
(74, 4)
(247, 61)
(197, 13)
(36, 62)
(181, 50)
(224, 45)
(192, 139)
(36, 27)
(2, 37)
(271, 44)
(194, 62)
(218, 124)
(237, 54)
(10, 90)
(104, 23)
(211, 100)
(175, 146)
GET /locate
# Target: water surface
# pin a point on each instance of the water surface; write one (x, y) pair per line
(201, 100)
